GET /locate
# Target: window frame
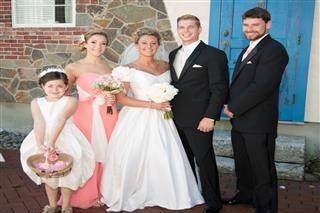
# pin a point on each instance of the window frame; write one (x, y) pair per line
(33, 25)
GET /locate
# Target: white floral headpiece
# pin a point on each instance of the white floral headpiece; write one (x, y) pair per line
(51, 69)
(82, 38)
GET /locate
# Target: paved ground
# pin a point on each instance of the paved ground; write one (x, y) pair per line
(20, 195)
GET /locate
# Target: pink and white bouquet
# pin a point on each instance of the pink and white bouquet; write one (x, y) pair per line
(162, 92)
(108, 83)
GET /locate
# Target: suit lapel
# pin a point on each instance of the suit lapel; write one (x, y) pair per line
(251, 54)
(238, 63)
(173, 73)
(241, 64)
(191, 58)
(244, 62)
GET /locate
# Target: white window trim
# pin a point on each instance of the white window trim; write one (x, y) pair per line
(15, 25)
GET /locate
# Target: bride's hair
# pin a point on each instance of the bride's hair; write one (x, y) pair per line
(85, 37)
(146, 31)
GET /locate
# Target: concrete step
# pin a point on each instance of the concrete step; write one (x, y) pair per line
(289, 149)
(289, 155)
(288, 171)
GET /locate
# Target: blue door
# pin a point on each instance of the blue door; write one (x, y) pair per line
(292, 23)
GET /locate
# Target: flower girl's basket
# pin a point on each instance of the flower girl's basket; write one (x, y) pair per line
(54, 168)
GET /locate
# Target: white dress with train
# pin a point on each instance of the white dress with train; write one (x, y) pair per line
(70, 141)
(146, 164)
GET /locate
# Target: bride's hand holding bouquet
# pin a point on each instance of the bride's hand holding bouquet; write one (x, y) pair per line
(161, 93)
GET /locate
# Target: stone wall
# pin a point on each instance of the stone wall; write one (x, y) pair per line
(23, 51)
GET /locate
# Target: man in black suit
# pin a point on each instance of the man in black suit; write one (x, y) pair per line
(253, 109)
(200, 72)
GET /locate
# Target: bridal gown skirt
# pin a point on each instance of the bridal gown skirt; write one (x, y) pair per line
(146, 164)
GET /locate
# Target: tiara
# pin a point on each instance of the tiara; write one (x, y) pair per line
(50, 69)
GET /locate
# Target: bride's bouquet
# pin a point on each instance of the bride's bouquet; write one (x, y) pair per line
(162, 92)
(108, 83)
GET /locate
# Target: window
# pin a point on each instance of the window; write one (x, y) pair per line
(43, 13)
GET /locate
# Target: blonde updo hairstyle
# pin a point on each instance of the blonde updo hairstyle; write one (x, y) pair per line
(146, 31)
(89, 34)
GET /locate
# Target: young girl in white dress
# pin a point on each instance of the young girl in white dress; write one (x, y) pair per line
(54, 130)
(146, 164)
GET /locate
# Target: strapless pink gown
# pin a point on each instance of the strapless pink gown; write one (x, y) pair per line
(89, 194)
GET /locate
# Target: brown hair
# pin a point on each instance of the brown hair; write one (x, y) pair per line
(146, 31)
(189, 17)
(257, 12)
(89, 34)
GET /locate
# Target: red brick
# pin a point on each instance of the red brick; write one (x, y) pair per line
(11, 195)
(83, 1)
(65, 42)
(6, 209)
(24, 41)
(19, 208)
(23, 57)
(11, 57)
(32, 205)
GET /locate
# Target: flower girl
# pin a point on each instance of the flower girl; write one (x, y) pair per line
(54, 131)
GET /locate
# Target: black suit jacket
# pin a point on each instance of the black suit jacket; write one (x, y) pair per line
(254, 90)
(202, 90)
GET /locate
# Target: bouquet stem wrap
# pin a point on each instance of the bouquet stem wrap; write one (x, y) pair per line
(108, 83)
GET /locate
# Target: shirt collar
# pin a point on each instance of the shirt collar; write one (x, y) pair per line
(190, 47)
(256, 42)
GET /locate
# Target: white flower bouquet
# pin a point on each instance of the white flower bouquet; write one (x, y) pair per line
(162, 92)
(108, 83)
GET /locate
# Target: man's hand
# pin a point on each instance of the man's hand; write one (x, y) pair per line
(227, 111)
(206, 125)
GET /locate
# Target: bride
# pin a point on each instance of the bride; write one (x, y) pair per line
(146, 164)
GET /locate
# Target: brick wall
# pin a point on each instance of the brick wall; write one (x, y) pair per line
(13, 41)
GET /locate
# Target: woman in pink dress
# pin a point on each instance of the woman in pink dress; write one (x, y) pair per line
(91, 116)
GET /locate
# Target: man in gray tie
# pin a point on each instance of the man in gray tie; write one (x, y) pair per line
(200, 72)
(253, 109)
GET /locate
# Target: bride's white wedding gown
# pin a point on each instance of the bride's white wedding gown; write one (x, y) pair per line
(146, 164)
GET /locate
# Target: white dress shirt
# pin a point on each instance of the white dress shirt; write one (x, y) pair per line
(182, 55)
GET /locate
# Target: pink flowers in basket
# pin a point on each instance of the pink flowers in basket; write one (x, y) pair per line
(51, 167)
(108, 83)
(51, 163)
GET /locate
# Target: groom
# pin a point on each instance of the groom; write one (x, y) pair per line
(200, 72)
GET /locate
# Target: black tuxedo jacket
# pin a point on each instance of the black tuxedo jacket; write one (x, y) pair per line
(254, 90)
(203, 85)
